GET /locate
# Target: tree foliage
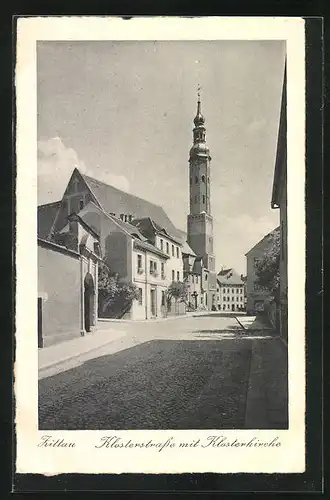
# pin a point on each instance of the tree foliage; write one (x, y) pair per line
(268, 267)
(111, 291)
(177, 290)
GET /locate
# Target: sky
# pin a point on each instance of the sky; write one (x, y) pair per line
(122, 112)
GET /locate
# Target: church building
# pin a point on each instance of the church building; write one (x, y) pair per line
(200, 220)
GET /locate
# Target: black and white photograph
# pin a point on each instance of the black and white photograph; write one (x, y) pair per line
(162, 239)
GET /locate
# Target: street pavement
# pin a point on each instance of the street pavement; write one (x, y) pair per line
(202, 372)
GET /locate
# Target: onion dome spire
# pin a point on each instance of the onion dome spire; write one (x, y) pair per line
(199, 118)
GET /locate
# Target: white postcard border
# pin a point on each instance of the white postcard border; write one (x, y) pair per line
(85, 457)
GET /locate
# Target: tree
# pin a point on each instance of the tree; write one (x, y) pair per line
(177, 290)
(268, 267)
(113, 295)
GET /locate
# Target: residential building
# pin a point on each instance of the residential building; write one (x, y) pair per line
(256, 296)
(67, 283)
(121, 240)
(200, 220)
(279, 200)
(230, 291)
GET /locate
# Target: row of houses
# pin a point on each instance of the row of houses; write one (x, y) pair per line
(260, 300)
(137, 241)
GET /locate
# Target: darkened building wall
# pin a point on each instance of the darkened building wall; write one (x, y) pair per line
(59, 290)
(279, 200)
(118, 254)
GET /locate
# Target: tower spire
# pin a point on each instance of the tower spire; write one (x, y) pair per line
(199, 119)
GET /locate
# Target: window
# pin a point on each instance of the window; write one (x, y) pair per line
(173, 250)
(224, 299)
(97, 249)
(203, 178)
(205, 277)
(178, 275)
(196, 179)
(204, 199)
(256, 262)
(139, 263)
(167, 247)
(140, 298)
(153, 267)
(208, 180)
(177, 252)
(81, 204)
(206, 299)
(232, 299)
(196, 279)
(161, 244)
(232, 290)
(217, 289)
(163, 270)
(241, 291)
(163, 298)
(173, 275)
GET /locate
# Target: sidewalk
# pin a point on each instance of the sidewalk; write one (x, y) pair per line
(267, 397)
(253, 323)
(51, 359)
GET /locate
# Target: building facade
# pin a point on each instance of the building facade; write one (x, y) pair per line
(230, 291)
(279, 200)
(67, 284)
(256, 297)
(200, 220)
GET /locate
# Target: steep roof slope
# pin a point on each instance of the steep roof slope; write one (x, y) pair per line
(114, 200)
(263, 240)
(46, 216)
(229, 277)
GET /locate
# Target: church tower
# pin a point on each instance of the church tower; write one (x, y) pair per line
(200, 220)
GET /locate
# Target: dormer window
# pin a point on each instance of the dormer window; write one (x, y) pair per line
(97, 249)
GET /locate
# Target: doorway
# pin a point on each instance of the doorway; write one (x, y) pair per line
(89, 293)
(153, 304)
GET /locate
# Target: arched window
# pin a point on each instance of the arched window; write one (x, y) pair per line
(203, 178)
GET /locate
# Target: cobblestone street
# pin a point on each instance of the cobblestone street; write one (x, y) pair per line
(179, 374)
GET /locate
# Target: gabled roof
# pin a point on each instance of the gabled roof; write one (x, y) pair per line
(223, 272)
(114, 200)
(263, 240)
(280, 162)
(46, 216)
(150, 227)
(187, 250)
(229, 277)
